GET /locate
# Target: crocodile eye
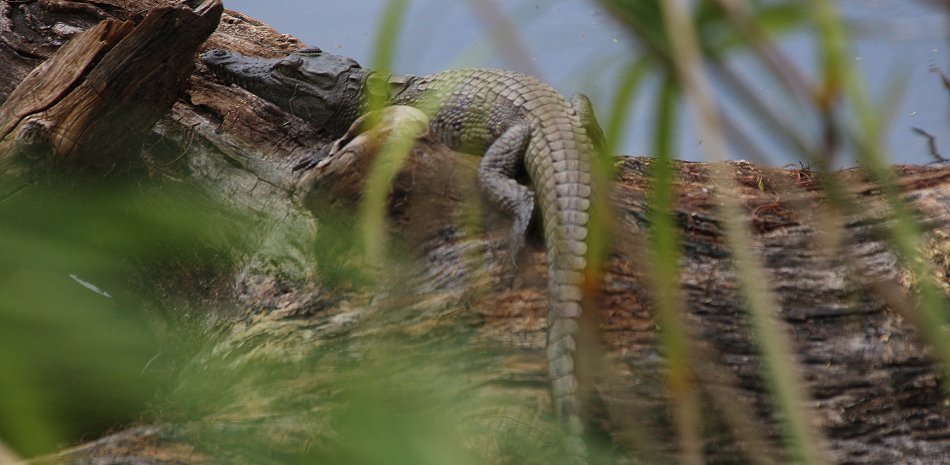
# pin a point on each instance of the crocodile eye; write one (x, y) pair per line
(289, 67)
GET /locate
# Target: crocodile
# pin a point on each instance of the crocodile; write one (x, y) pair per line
(513, 120)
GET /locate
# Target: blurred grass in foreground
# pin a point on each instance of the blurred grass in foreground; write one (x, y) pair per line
(75, 362)
(687, 45)
(80, 350)
(826, 113)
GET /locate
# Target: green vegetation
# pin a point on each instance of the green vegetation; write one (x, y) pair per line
(81, 352)
(85, 346)
(688, 60)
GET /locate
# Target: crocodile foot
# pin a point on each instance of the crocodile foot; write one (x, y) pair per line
(312, 160)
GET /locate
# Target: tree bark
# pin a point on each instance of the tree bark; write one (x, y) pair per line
(70, 110)
(845, 300)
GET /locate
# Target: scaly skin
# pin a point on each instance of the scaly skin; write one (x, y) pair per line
(513, 120)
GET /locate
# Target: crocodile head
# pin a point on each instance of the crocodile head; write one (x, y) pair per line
(322, 88)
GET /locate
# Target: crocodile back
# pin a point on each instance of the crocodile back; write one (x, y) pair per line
(470, 109)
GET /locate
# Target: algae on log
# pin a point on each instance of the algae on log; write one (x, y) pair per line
(876, 391)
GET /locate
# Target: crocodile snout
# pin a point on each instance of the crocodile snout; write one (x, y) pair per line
(216, 57)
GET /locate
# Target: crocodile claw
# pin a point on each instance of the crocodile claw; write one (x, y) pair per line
(305, 164)
(310, 161)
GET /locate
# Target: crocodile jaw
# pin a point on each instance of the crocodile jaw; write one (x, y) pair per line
(234, 68)
(309, 84)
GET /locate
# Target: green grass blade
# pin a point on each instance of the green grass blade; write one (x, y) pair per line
(664, 259)
(806, 443)
(384, 50)
(932, 314)
(371, 222)
(630, 81)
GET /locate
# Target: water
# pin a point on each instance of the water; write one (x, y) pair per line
(577, 47)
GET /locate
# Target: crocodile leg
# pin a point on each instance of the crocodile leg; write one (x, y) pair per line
(356, 128)
(496, 176)
(312, 160)
(585, 112)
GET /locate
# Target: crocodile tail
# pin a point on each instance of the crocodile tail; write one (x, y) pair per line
(565, 294)
(561, 161)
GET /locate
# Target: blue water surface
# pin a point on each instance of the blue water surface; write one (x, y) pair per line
(577, 47)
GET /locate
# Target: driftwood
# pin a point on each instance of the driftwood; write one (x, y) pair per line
(877, 393)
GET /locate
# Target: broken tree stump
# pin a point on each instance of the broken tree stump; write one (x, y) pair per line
(90, 104)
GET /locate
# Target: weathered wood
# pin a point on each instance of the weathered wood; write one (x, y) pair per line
(94, 100)
(878, 394)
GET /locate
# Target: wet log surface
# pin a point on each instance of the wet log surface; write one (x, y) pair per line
(877, 393)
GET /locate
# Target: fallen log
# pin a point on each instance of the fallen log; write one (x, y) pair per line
(454, 308)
